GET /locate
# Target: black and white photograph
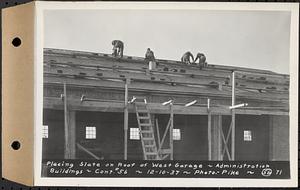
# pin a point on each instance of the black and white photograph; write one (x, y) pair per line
(184, 92)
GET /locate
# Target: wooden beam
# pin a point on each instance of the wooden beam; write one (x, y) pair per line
(111, 95)
(72, 134)
(219, 126)
(179, 78)
(233, 135)
(126, 119)
(171, 132)
(157, 132)
(216, 141)
(66, 125)
(167, 129)
(279, 136)
(76, 104)
(233, 119)
(209, 137)
(275, 86)
(138, 86)
(163, 88)
(87, 151)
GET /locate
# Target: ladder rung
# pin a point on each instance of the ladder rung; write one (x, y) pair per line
(152, 143)
(145, 124)
(148, 138)
(143, 117)
(146, 128)
(149, 145)
(151, 153)
(143, 114)
(146, 131)
(150, 149)
(142, 111)
(152, 158)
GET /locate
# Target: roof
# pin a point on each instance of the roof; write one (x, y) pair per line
(85, 69)
(127, 58)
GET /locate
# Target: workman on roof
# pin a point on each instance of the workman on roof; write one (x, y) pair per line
(149, 56)
(118, 48)
(202, 60)
(186, 58)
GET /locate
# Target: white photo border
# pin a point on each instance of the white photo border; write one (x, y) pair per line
(165, 182)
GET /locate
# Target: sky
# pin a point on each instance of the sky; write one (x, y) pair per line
(253, 39)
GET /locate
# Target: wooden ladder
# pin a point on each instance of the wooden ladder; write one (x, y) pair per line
(146, 129)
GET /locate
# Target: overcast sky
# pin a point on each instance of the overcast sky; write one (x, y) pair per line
(254, 39)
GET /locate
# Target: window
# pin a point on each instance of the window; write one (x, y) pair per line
(90, 132)
(176, 134)
(134, 134)
(45, 132)
(247, 136)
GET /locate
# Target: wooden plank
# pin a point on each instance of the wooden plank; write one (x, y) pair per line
(157, 132)
(219, 141)
(163, 88)
(138, 86)
(93, 73)
(76, 104)
(267, 86)
(72, 134)
(216, 141)
(87, 151)
(171, 132)
(66, 125)
(55, 90)
(209, 136)
(211, 74)
(233, 119)
(242, 93)
(141, 76)
(126, 119)
(163, 77)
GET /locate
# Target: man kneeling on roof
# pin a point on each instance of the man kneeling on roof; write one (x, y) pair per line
(202, 60)
(118, 48)
(150, 58)
(186, 58)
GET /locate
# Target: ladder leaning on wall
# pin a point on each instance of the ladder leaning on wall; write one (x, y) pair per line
(146, 129)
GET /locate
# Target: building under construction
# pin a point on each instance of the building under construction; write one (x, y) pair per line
(97, 106)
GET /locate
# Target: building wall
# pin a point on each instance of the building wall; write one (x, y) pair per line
(53, 146)
(109, 142)
(258, 147)
(193, 130)
(269, 135)
(279, 141)
(109, 134)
